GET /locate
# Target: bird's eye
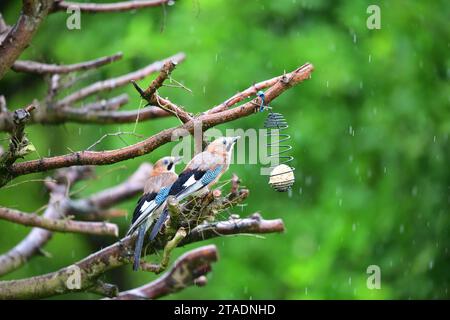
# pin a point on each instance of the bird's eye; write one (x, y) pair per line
(224, 141)
(166, 162)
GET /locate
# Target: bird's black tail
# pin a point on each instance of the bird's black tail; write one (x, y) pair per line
(138, 247)
(158, 224)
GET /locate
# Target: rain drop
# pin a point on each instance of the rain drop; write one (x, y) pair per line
(414, 191)
(351, 131)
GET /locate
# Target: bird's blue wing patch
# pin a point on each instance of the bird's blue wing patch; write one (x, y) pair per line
(162, 195)
(210, 175)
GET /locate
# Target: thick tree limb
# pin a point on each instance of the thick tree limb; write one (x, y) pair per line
(119, 254)
(110, 84)
(60, 225)
(185, 272)
(20, 35)
(43, 68)
(19, 145)
(107, 7)
(206, 121)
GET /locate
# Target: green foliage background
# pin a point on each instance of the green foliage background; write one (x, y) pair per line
(369, 133)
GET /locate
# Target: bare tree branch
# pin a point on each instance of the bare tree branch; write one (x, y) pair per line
(184, 272)
(66, 114)
(107, 7)
(60, 225)
(94, 207)
(206, 120)
(19, 37)
(106, 104)
(43, 68)
(118, 254)
(117, 82)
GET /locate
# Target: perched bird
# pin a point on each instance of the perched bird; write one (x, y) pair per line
(149, 205)
(202, 171)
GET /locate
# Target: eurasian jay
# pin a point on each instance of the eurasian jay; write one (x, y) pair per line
(150, 205)
(202, 171)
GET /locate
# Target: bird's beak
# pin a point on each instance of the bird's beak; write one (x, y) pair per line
(236, 139)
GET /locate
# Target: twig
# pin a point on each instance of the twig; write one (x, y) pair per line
(60, 225)
(115, 134)
(43, 68)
